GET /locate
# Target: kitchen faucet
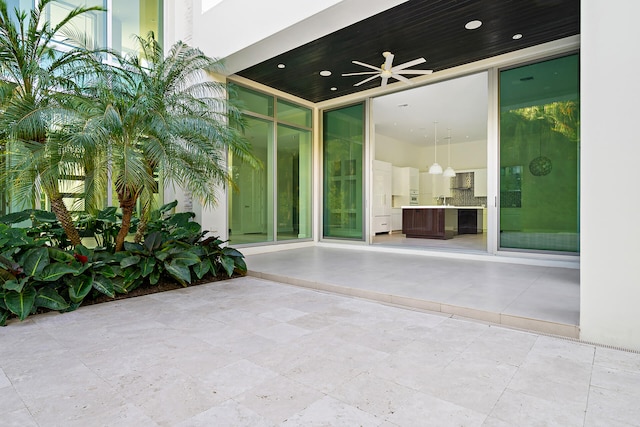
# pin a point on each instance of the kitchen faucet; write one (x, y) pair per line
(444, 200)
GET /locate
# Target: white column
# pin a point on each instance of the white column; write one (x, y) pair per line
(610, 234)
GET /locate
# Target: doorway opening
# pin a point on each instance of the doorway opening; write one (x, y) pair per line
(444, 123)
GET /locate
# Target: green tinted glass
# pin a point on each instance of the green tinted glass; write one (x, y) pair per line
(540, 156)
(253, 101)
(251, 201)
(293, 114)
(294, 183)
(343, 149)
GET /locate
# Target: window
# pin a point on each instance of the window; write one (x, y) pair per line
(343, 151)
(272, 203)
(540, 156)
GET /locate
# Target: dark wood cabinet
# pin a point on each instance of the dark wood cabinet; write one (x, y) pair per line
(424, 223)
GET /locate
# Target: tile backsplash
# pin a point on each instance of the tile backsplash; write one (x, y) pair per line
(465, 197)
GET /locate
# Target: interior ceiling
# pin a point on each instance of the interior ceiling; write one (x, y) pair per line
(433, 29)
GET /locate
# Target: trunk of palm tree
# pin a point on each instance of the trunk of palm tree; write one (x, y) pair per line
(142, 225)
(64, 217)
(127, 204)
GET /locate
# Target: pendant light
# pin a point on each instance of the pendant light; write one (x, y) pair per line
(435, 168)
(449, 172)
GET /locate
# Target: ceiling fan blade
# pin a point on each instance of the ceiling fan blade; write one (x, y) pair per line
(408, 64)
(360, 74)
(366, 65)
(384, 81)
(415, 72)
(389, 61)
(401, 78)
(367, 80)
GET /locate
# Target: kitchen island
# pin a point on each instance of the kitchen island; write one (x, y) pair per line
(441, 222)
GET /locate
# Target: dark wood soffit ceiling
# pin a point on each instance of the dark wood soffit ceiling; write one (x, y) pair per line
(433, 29)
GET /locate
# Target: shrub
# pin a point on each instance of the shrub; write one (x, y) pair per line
(39, 269)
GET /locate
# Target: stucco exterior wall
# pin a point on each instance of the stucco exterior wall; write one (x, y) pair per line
(610, 234)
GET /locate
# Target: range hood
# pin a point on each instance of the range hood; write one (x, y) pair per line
(463, 181)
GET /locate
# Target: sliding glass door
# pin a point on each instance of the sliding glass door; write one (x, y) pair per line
(540, 156)
(342, 155)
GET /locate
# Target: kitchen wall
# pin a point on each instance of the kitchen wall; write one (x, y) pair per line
(464, 155)
(398, 153)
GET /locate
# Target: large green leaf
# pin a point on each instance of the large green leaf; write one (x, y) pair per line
(133, 247)
(35, 260)
(16, 217)
(228, 263)
(53, 272)
(153, 241)
(80, 288)
(147, 265)
(16, 285)
(203, 268)
(232, 252)
(240, 264)
(5, 276)
(51, 299)
(44, 216)
(59, 255)
(129, 261)
(20, 303)
(167, 207)
(131, 275)
(180, 219)
(186, 258)
(178, 271)
(106, 270)
(107, 214)
(154, 277)
(4, 315)
(104, 286)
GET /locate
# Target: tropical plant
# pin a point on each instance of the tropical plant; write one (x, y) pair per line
(36, 83)
(167, 114)
(34, 274)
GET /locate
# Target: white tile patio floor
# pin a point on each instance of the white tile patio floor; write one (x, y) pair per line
(251, 352)
(538, 298)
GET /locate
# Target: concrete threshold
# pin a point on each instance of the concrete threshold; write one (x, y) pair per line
(506, 320)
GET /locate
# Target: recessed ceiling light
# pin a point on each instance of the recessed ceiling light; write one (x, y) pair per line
(517, 36)
(334, 88)
(325, 73)
(281, 65)
(472, 25)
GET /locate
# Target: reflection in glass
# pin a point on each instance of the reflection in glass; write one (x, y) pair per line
(294, 183)
(539, 156)
(251, 201)
(137, 17)
(343, 149)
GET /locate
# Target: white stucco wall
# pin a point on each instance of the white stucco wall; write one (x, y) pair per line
(610, 200)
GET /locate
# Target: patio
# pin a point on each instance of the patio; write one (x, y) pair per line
(252, 352)
(531, 297)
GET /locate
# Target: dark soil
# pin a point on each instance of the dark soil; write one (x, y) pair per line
(162, 286)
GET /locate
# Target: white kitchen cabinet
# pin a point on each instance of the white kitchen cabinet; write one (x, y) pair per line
(396, 219)
(405, 179)
(480, 183)
(381, 208)
(441, 186)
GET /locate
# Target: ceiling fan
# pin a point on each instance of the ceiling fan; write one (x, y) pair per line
(387, 70)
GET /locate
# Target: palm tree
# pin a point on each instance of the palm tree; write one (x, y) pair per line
(163, 114)
(36, 83)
